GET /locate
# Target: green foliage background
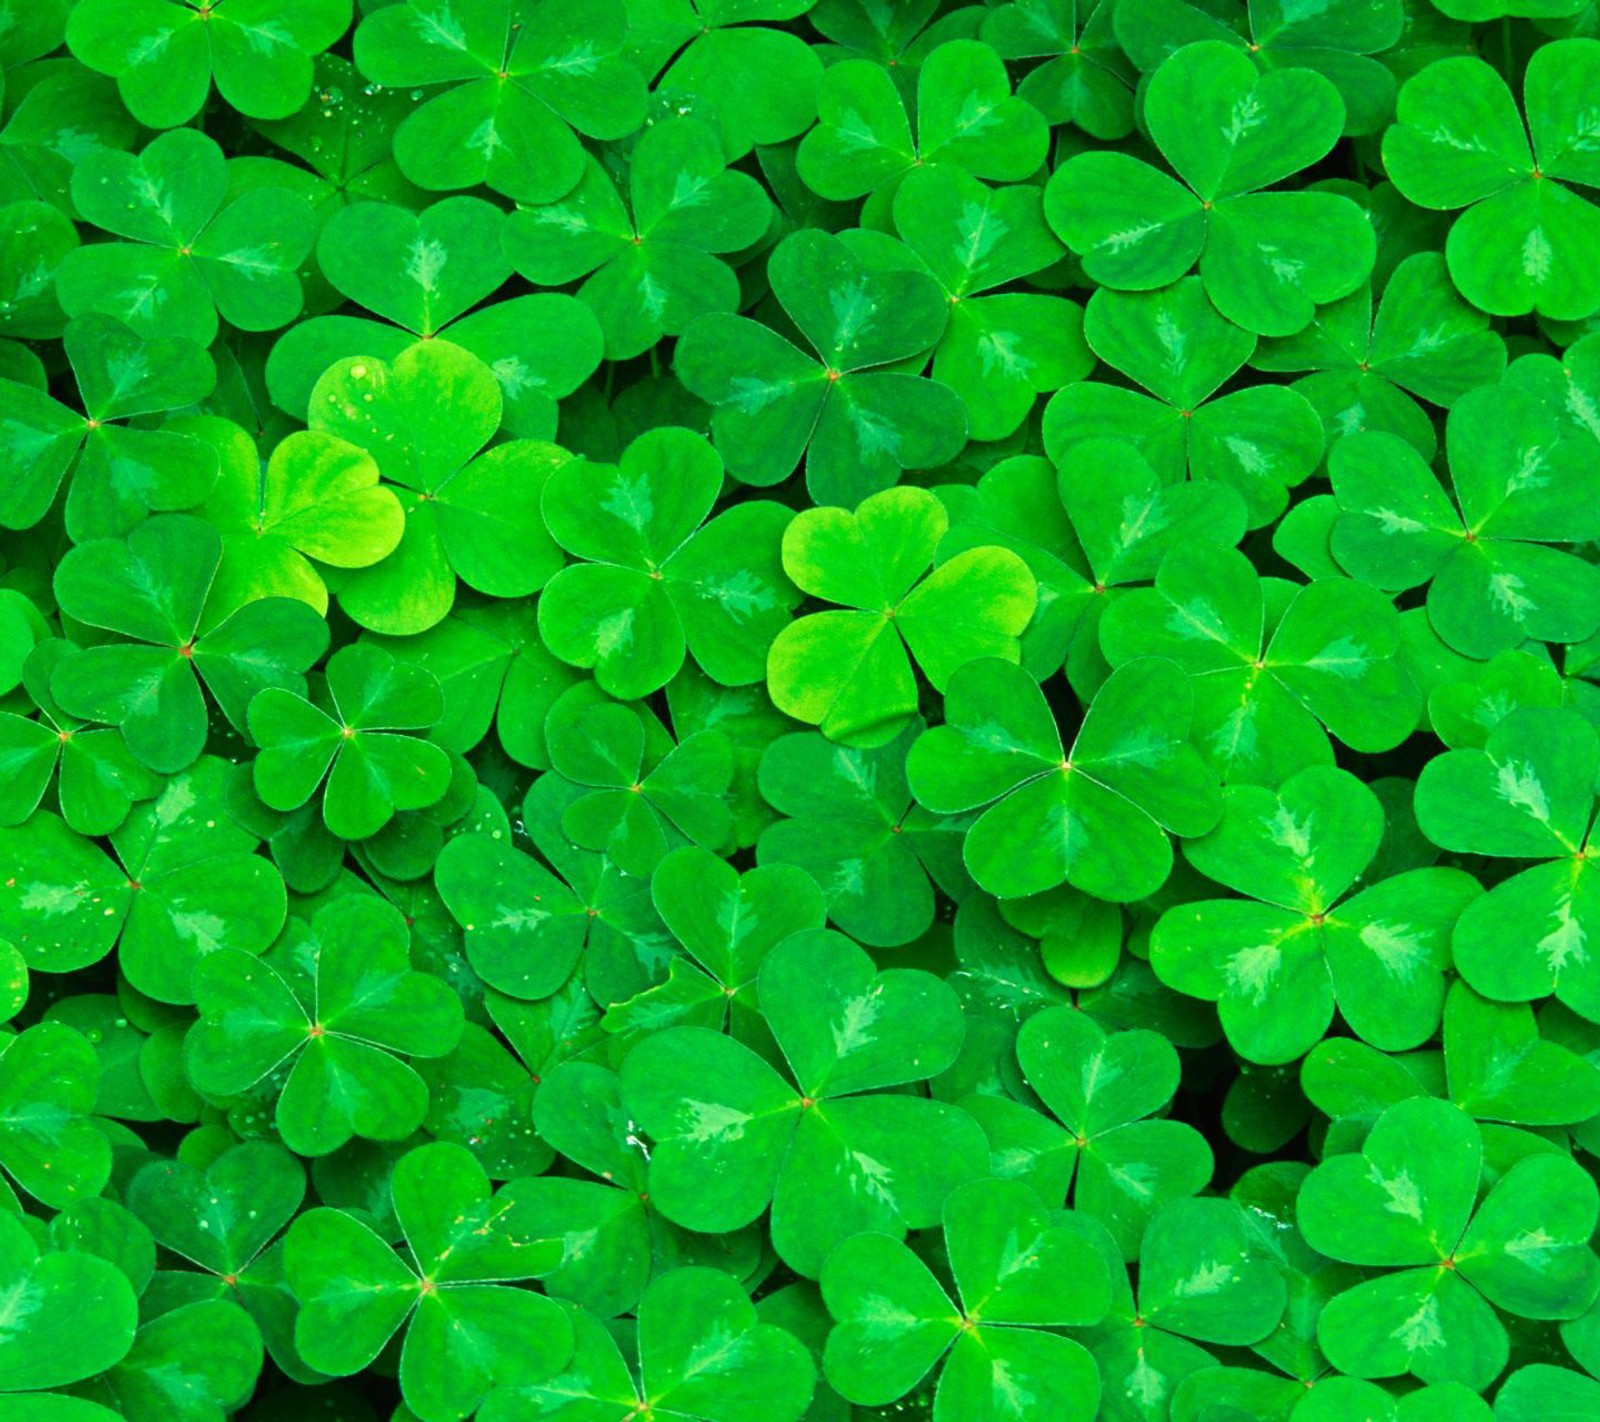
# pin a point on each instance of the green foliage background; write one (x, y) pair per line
(754, 710)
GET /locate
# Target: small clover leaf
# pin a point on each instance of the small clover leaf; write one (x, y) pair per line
(1267, 259)
(651, 264)
(1460, 143)
(703, 1355)
(849, 671)
(732, 1134)
(53, 1149)
(523, 85)
(191, 252)
(1499, 1068)
(1085, 79)
(468, 1328)
(332, 1008)
(858, 426)
(1018, 1272)
(1408, 1202)
(1521, 482)
(1260, 441)
(1097, 817)
(1263, 693)
(192, 1364)
(354, 741)
(1278, 960)
(165, 55)
(966, 117)
(655, 582)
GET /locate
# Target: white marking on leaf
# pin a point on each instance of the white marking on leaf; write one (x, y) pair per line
(1250, 970)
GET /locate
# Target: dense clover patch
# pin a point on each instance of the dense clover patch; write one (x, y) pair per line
(799, 710)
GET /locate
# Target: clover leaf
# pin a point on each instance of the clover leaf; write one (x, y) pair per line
(857, 425)
(1262, 698)
(1260, 441)
(654, 583)
(333, 1007)
(1267, 259)
(849, 671)
(1096, 817)
(1085, 79)
(1520, 481)
(165, 55)
(49, 1077)
(732, 1134)
(468, 1328)
(1408, 1202)
(704, 1355)
(1530, 789)
(966, 117)
(1017, 1273)
(1277, 960)
(123, 472)
(191, 251)
(651, 263)
(353, 739)
(521, 82)
(1460, 143)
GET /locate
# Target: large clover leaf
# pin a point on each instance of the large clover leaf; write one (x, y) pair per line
(857, 424)
(732, 1134)
(1267, 259)
(165, 54)
(1279, 959)
(653, 582)
(1096, 817)
(332, 1007)
(520, 82)
(849, 671)
(1409, 1203)
(651, 259)
(1460, 143)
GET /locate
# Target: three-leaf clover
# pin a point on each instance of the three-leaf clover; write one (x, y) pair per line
(468, 1327)
(1460, 143)
(1096, 817)
(521, 81)
(165, 54)
(191, 251)
(966, 118)
(1521, 482)
(849, 671)
(653, 582)
(353, 739)
(1085, 79)
(328, 1011)
(1277, 960)
(826, 1147)
(1267, 259)
(858, 425)
(1018, 1273)
(651, 263)
(1409, 1203)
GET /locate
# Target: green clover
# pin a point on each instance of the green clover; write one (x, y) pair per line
(858, 425)
(122, 471)
(1267, 259)
(1085, 79)
(732, 1134)
(332, 1007)
(52, 1147)
(191, 252)
(468, 1328)
(1521, 482)
(1499, 1068)
(654, 584)
(651, 263)
(1018, 1272)
(522, 86)
(354, 742)
(849, 671)
(1408, 1203)
(1096, 817)
(966, 117)
(1460, 143)
(1260, 441)
(1279, 959)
